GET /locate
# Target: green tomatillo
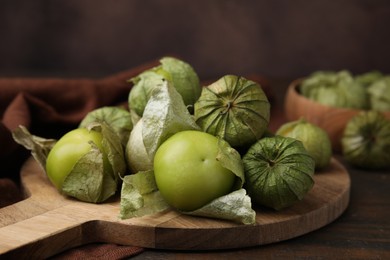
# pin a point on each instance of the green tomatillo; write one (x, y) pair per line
(336, 89)
(188, 173)
(177, 72)
(119, 119)
(366, 140)
(235, 109)
(278, 172)
(68, 150)
(86, 163)
(315, 140)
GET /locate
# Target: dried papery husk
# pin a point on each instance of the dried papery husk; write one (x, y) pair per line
(165, 114)
(136, 156)
(180, 74)
(235, 109)
(119, 119)
(278, 172)
(183, 77)
(366, 140)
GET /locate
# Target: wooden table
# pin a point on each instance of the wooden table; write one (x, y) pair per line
(362, 232)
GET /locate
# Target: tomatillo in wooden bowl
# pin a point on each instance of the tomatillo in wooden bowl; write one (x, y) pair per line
(332, 119)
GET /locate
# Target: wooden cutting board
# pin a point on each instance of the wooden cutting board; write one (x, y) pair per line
(46, 223)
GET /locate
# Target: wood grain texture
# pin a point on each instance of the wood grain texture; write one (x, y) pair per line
(47, 223)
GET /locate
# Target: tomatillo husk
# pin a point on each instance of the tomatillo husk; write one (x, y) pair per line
(366, 140)
(315, 140)
(379, 94)
(119, 119)
(278, 172)
(336, 89)
(179, 73)
(235, 109)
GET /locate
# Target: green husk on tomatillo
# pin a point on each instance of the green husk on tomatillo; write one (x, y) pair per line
(86, 163)
(315, 140)
(179, 73)
(336, 89)
(119, 119)
(379, 94)
(165, 114)
(235, 109)
(368, 78)
(366, 140)
(278, 172)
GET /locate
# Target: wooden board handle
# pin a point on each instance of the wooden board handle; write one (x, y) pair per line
(23, 237)
(69, 226)
(31, 223)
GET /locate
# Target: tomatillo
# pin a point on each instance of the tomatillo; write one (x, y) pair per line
(187, 172)
(68, 151)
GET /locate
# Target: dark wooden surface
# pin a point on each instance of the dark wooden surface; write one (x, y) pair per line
(362, 232)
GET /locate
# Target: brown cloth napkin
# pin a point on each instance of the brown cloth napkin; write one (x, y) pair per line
(50, 107)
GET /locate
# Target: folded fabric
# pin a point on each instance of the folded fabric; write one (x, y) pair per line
(49, 107)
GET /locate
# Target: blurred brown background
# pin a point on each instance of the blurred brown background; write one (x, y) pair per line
(277, 38)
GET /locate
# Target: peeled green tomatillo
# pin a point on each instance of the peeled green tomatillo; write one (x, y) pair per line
(68, 150)
(187, 171)
(86, 163)
(314, 139)
(366, 140)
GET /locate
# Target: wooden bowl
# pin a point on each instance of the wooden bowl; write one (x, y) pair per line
(332, 119)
